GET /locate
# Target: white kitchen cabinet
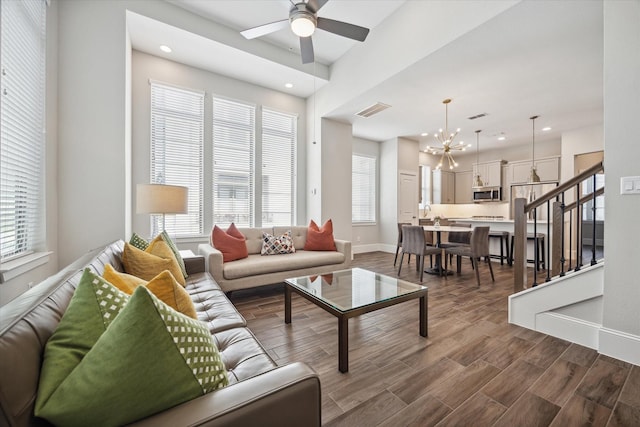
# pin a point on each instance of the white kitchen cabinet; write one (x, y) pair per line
(548, 169)
(463, 185)
(490, 173)
(444, 187)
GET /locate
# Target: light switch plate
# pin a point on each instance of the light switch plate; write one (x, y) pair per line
(630, 185)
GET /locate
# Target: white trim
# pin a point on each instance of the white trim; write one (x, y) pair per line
(361, 249)
(569, 328)
(14, 268)
(620, 345)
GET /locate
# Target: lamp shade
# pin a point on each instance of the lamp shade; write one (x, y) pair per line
(161, 199)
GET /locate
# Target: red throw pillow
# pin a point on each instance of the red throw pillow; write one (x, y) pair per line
(228, 242)
(320, 239)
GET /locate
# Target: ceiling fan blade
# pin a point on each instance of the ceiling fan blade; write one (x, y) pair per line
(343, 29)
(265, 29)
(315, 5)
(306, 50)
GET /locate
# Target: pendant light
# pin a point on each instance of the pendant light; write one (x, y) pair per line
(533, 176)
(478, 182)
(445, 141)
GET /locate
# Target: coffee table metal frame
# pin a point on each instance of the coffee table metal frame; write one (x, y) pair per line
(344, 315)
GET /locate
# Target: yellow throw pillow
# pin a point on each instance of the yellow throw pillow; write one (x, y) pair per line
(163, 286)
(149, 263)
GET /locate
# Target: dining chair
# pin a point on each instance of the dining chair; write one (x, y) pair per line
(457, 238)
(413, 242)
(399, 242)
(478, 247)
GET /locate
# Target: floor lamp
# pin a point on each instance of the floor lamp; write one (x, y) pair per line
(161, 199)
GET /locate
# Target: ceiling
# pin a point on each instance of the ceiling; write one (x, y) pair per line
(537, 58)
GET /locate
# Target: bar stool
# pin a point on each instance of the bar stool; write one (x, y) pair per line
(538, 242)
(504, 245)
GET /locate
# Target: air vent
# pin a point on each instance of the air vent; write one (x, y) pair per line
(373, 109)
(477, 116)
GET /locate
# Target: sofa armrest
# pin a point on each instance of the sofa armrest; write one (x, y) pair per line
(285, 396)
(344, 246)
(212, 260)
(194, 264)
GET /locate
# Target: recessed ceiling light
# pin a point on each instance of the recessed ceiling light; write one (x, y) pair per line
(546, 129)
(502, 138)
(424, 134)
(165, 48)
(288, 85)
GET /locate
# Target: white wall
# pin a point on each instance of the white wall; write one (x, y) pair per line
(622, 151)
(147, 67)
(388, 228)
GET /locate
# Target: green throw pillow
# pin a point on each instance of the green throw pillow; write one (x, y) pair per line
(138, 242)
(149, 359)
(176, 252)
(93, 306)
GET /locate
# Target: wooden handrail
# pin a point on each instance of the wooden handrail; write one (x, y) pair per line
(565, 186)
(584, 199)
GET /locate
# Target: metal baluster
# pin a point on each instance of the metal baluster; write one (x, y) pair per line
(562, 259)
(593, 238)
(570, 239)
(535, 248)
(578, 235)
(547, 262)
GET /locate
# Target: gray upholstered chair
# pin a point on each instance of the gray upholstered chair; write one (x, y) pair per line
(413, 242)
(399, 242)
(478, 248)
(457, 238)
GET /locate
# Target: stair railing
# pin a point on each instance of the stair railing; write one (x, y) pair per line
(562, 240)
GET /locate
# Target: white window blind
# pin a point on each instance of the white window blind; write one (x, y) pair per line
(279, 136)
(22, 50)
(177, 140)
(233, 160)
(363, 189)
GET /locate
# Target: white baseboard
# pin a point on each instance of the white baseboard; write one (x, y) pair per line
(568, 328)
(373, 247)
(620, 345)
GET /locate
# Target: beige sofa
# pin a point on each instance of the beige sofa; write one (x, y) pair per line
(259, 391)
(258, 270)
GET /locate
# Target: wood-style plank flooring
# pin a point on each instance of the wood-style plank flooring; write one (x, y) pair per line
(473, 369)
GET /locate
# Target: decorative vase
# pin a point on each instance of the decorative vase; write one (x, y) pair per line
(436, 223)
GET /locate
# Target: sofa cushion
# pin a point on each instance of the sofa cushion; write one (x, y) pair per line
(242, 354)
(232, 247)
(298, 234)
(256, 264)
(253, 238)
(149, 359)
(149, 263)
(212, 306)
(320, 238)
(278, 244)
(164, 286)
(94, 305)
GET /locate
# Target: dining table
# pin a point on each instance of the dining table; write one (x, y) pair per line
(438, 229)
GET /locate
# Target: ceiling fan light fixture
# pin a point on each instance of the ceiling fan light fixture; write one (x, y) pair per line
(303, 23)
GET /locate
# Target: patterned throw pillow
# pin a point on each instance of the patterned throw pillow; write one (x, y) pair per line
(138, 242)
(149, 359)
(94, 305)
(272, 245)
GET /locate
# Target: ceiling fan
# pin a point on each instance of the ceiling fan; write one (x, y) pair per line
(304, 20)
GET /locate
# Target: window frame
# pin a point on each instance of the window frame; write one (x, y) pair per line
(373, 180)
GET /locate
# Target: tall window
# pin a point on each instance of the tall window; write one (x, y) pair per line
(177, 140)
(279, 136)
(233, 160)
(363, 189)
(22, 50)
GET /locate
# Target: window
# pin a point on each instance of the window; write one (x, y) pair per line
(587, 208)
(177, 140)
(233, 160)
(363, 189)
(22, 50)
(279, 136)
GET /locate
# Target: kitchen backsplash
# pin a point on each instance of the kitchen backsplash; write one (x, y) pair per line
(468, 210)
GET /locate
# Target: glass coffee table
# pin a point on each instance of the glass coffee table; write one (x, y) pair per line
(350, 293)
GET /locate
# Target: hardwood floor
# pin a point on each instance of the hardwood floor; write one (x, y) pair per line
(473, 369)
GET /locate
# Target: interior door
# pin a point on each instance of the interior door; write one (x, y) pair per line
(408, 197)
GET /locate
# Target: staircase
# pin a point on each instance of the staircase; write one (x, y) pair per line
(565, 298)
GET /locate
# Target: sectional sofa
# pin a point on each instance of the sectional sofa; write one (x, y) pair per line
(258, 270)
(259, 391)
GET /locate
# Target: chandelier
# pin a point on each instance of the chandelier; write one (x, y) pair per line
(533, 176)
(446, 142)
(478, 182)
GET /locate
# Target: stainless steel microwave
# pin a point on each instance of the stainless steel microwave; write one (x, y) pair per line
(487, 194)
